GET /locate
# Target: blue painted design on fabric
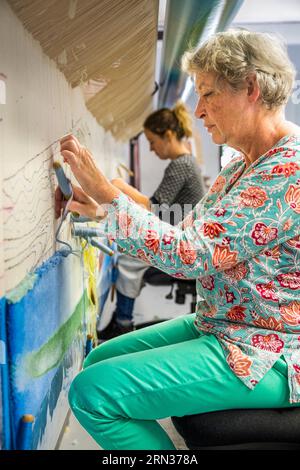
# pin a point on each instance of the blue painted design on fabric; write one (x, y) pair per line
(5, 414)
(31, 322)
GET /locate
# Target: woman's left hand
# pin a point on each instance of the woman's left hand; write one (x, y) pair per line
(83, 166)
(81, 203)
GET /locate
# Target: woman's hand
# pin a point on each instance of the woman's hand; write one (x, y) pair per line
(88, 175)
(81, 203)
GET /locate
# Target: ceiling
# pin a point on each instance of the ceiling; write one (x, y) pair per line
(187, 25)
(268, 11)
(106, 47)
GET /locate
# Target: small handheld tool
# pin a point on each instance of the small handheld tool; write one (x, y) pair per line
(102, 247)
(86, 232)
(64, 184)
(63, 181)
(81, 218)
(89, 233)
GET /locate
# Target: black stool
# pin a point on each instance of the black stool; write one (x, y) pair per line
(261, 429)
(155, 277)
(184, 287)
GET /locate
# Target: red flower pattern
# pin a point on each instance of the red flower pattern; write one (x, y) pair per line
(238, 362)
(213, 230)
(237, 273)
(168, 238)
(125, 222)
(271, 343)
(267, 291)
(294, 242)
(236, 313)
(297, 370)
(230, 297)
(152, 240)
(218, 185)
(223, 258)
(220, 212)
(289, 153)
(292, 198)
(273, 253)
(253, 197)
(290, 313)
(289, 280)
(207, 282)
(269, 324)
(287, 169)
(262, 234)
(187, 252)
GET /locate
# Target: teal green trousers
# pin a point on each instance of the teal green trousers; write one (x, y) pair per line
(168, 369)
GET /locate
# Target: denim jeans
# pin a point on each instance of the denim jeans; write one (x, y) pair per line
(124, 309)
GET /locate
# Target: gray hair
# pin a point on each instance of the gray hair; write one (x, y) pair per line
(234, 54)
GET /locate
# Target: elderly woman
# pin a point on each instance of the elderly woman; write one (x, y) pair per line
(242, 347)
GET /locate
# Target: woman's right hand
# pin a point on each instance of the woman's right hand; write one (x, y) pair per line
(81, 203)
(85, 170)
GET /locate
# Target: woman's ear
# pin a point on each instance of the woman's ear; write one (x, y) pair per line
(253, 91)
(169, 135)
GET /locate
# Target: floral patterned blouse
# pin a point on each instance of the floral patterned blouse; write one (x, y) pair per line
(242, 244)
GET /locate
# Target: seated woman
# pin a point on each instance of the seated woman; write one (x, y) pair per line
(241, 349)
(181, 188)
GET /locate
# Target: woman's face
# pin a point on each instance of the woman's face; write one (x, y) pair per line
(224, 111)
(158, 144)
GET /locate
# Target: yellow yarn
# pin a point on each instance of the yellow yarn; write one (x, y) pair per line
(90, 260)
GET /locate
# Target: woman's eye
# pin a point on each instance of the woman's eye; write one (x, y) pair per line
(207, 94)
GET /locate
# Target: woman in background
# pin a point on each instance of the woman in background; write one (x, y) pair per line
(167, 131)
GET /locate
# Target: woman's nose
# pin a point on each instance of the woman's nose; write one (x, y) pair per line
(200, 110)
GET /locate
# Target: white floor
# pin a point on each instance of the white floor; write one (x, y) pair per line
(76, 438)
(150, 305)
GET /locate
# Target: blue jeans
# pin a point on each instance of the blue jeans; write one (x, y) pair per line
(124, 310)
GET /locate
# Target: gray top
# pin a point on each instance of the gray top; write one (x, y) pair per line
(182, 187)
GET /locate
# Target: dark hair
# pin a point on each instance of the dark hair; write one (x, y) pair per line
(177, 120)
